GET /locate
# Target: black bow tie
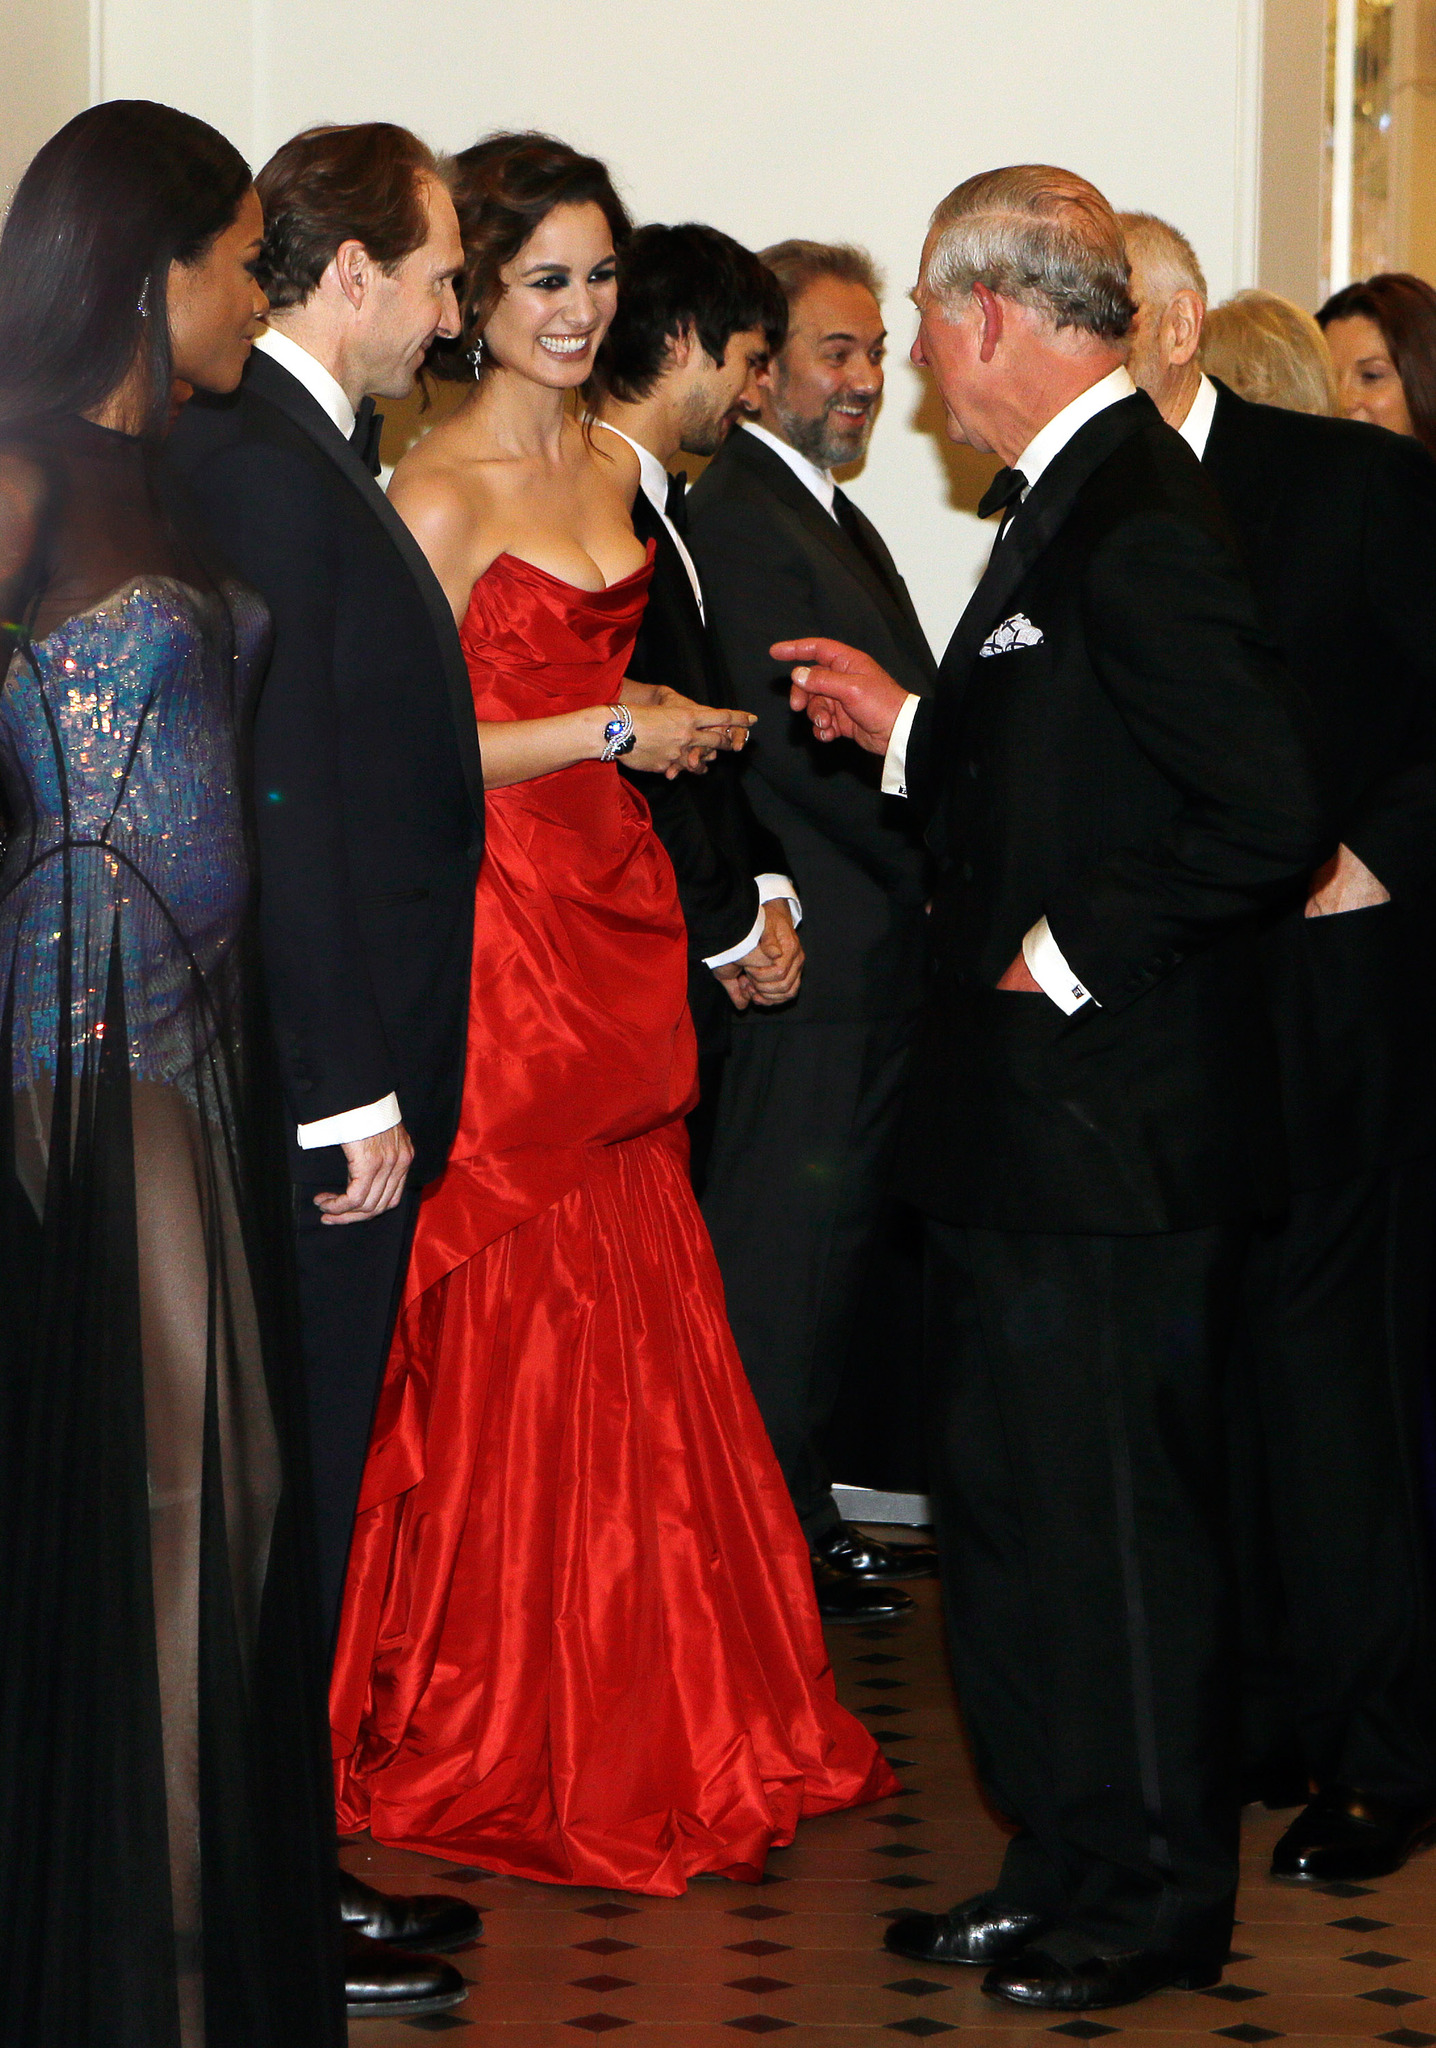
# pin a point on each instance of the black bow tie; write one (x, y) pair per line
(364, 438)
(1004, 490)
(675, 502)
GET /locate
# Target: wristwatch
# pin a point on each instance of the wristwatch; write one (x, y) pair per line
(618, 734)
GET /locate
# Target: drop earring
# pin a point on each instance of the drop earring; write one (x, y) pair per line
(476, 356)
(142, 304)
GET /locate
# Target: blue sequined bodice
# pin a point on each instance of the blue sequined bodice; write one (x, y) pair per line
(120, 769)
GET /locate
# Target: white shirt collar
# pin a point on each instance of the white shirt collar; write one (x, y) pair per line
(653, 482)
(1198, 424)
(1049, 441)
(819, 481)
(652, 476)
(311, 373)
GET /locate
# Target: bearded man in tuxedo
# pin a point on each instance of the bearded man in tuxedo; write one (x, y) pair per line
(1337, 521)
(370, 816)
(1116, 784)
(698, 319)
(802, 1138)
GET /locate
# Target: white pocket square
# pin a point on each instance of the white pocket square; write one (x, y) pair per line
(1018, 631)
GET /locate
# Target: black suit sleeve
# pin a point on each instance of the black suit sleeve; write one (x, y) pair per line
(1393, 826)
(757, 591)
(718, 895)
(332, 1047)
(1171, 631)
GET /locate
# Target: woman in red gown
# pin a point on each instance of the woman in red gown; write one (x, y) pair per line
(579, 1641)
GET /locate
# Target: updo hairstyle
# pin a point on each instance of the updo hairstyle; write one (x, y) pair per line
(504, 188)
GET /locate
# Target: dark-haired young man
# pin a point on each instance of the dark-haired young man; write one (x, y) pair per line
(698, 317)
(370, 806)
(810, 1096)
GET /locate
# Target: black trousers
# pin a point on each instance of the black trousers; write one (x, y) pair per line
(1331, 1530)
(796, 1178)
(1079, 1496)
(350, 1276)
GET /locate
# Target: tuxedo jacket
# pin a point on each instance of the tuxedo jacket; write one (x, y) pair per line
(705, 821)
(369, 784)
(776, 566)
(1114, 744)
(1337, 524)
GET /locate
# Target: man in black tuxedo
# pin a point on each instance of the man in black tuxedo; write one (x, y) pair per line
(698, 317)
(370, 810)
(806, 1114)
(1116, 784)
(1337, 522)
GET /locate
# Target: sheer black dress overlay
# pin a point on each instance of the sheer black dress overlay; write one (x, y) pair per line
(166, 1822)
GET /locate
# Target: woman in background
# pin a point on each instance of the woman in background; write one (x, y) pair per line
(166, 1857)
(1270, 351)
(1382, 337)
(580, 1640)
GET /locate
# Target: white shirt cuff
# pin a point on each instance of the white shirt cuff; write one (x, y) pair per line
(1048, 968)
(771, 888)
(351, 1125)
(895, 759)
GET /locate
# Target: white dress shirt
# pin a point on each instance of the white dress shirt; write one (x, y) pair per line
(821, 482)
(1198, 424)
(1045, 961)
(653, 482)
(311, 373)
(350, 1125)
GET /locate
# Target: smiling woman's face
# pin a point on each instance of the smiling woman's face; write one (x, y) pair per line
(560, 296)
(1367, 379)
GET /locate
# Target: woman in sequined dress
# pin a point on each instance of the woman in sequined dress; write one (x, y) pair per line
(166, 1874)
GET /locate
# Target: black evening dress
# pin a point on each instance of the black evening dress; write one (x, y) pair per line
(166, 1828)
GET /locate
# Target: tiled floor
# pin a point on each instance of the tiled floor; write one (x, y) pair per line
(801, 1954)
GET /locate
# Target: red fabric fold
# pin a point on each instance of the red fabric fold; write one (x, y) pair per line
(579, 1640)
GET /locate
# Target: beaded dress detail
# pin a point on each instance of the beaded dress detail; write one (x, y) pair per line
(161, 1790)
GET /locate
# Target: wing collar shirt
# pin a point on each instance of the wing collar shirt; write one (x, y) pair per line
(1045, 962)
(367, 1121)
(653, 482)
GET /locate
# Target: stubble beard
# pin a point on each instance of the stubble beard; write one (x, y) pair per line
(825, 446)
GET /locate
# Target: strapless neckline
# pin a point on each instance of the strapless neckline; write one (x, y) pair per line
(563, 583)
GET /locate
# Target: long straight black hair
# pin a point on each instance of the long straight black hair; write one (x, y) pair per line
(120, 193)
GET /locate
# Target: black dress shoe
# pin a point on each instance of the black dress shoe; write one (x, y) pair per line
(846, 1551)
(1038, 1980)
(1343, 1837)
(841, 1597)
(432, 1922)
(982, 1930)
(385, 1983)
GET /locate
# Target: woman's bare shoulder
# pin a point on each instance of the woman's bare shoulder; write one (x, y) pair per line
(447, 502)
(614, 462)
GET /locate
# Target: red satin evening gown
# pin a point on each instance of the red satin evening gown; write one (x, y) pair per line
(579, 1640)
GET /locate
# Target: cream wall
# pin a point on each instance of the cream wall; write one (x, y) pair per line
(770, 118)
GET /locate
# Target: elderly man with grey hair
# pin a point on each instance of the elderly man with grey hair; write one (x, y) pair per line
(1337, 522)
(1116, 785)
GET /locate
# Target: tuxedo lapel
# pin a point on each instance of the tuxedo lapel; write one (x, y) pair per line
(272, 382)
(824, 528)
(668, 563)
(1034, 525)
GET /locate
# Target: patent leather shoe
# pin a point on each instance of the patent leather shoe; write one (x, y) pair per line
(846, 1550)
(1045, 1984)
(981, 1930)
(1344, 1837)
(431, 1922)
(386, 1983)
(841, 1597)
